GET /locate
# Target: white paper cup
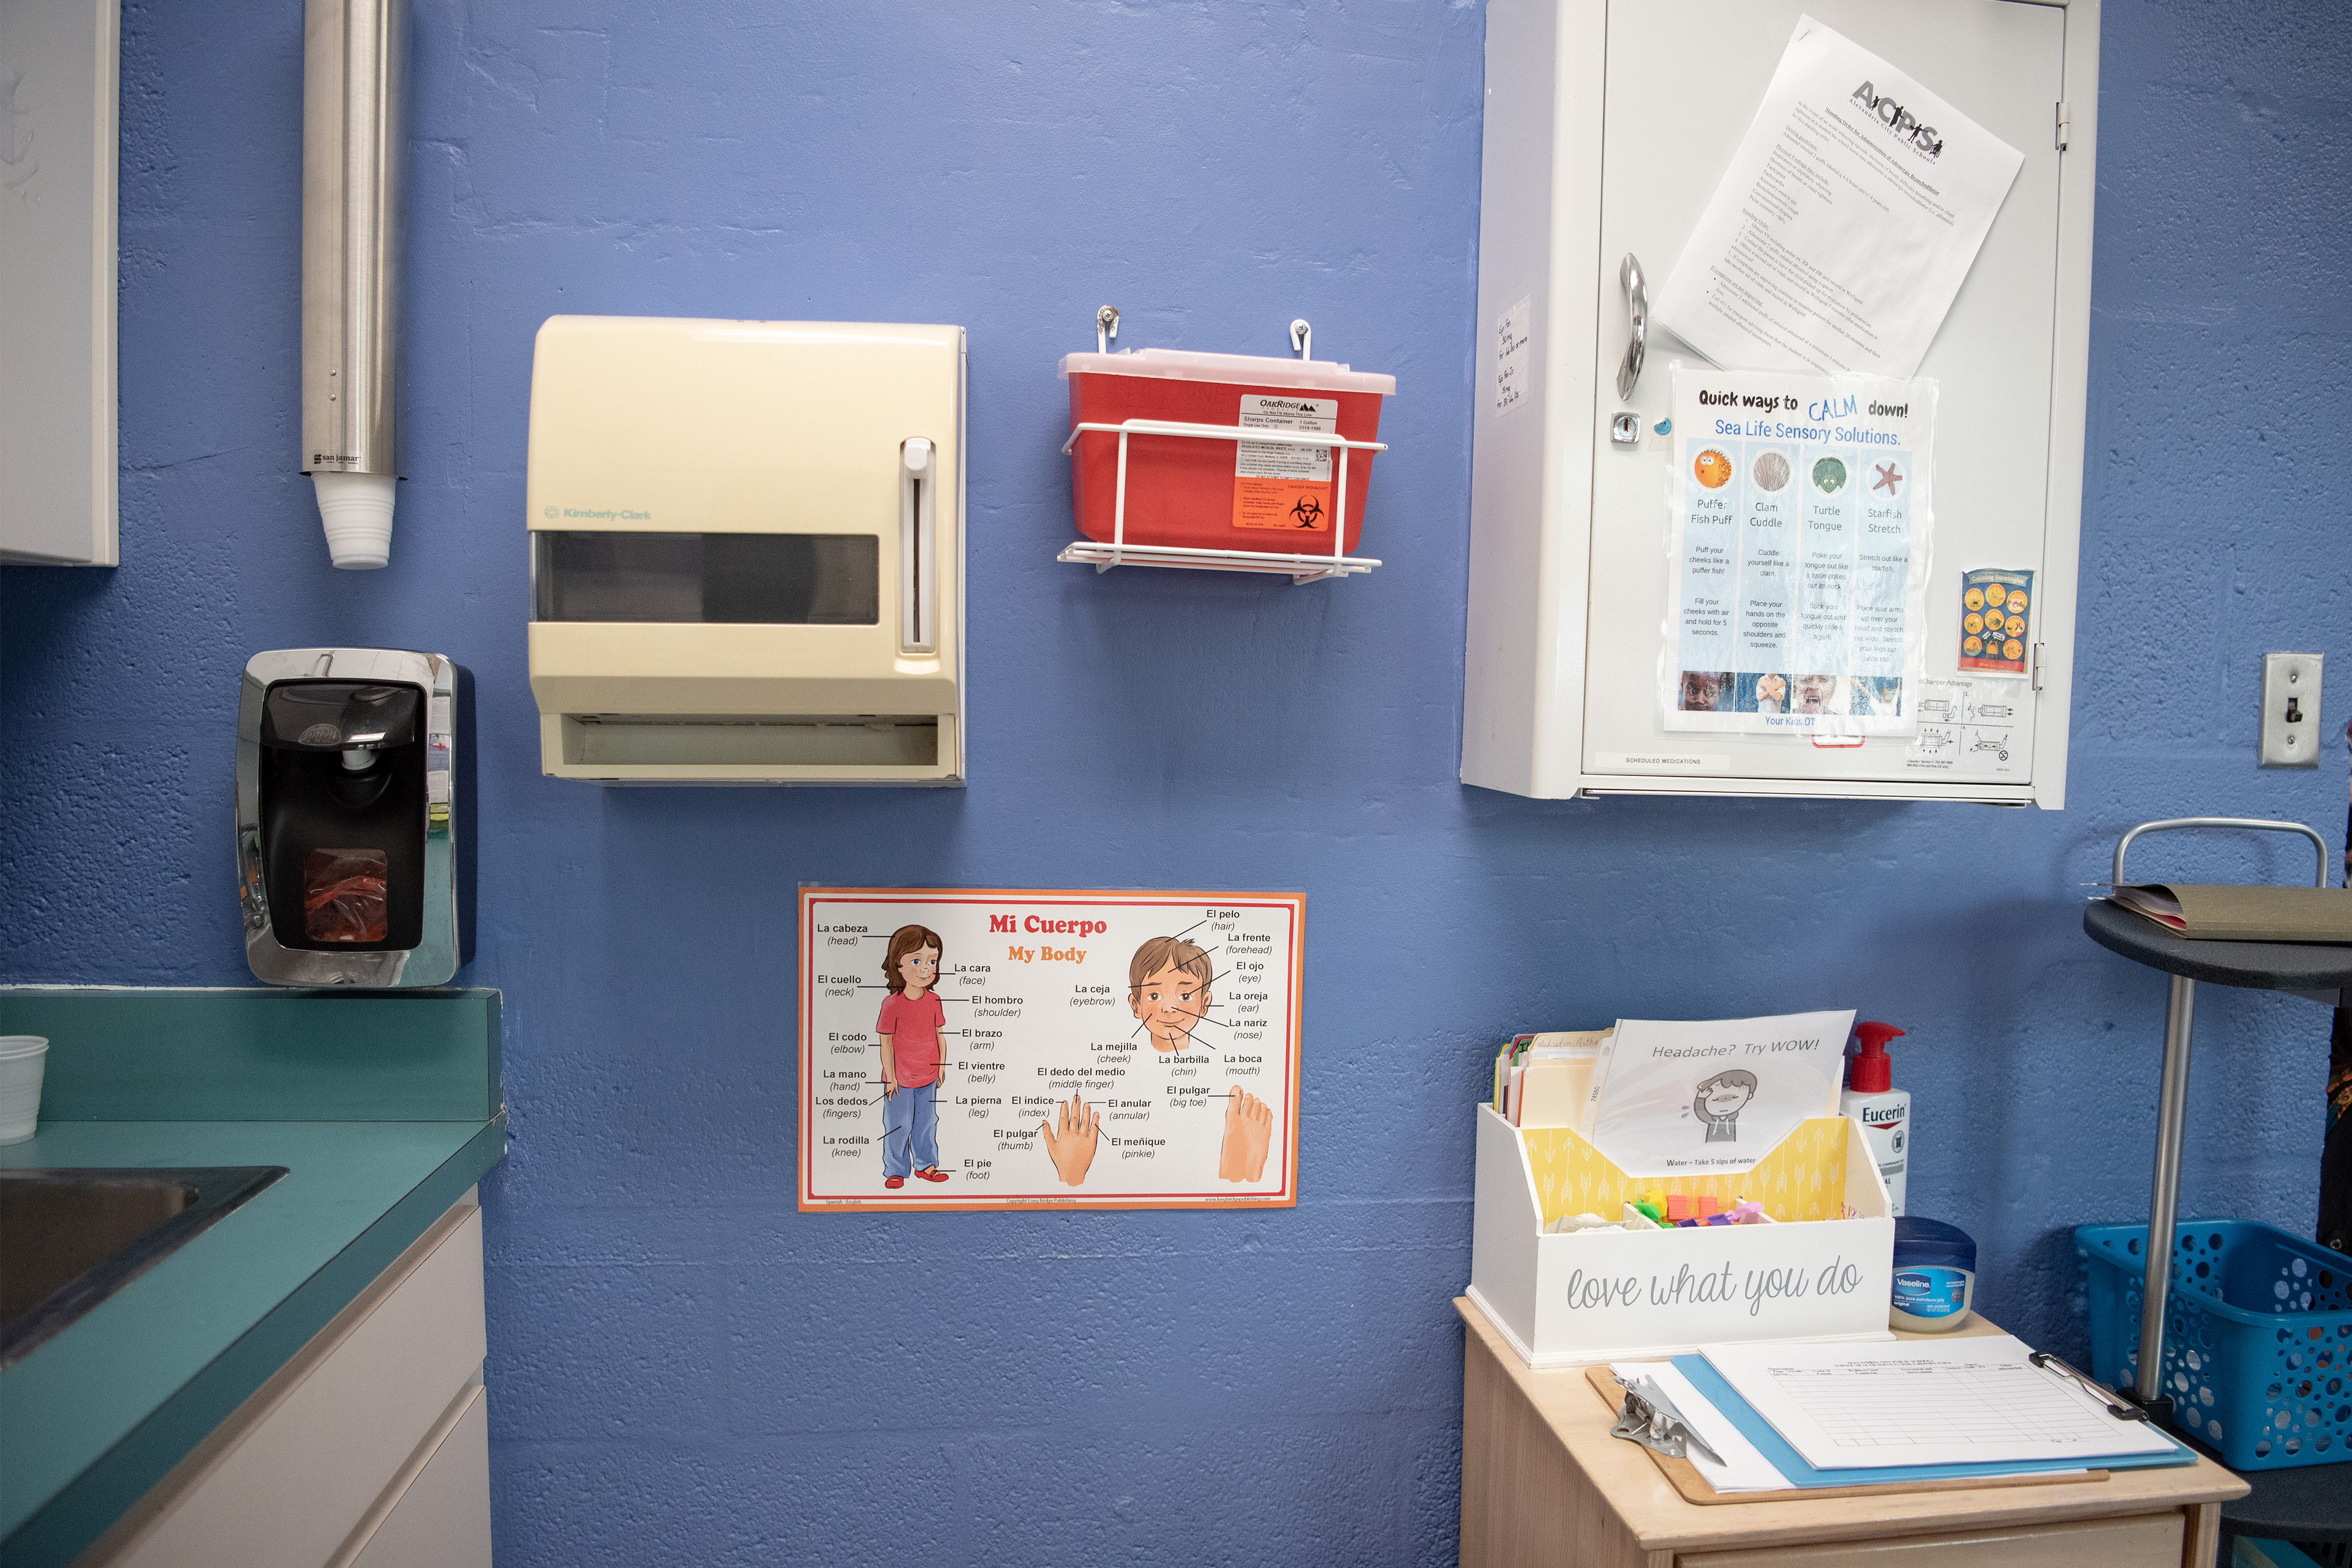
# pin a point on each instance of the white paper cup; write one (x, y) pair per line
(21, 1057)
(357, 511)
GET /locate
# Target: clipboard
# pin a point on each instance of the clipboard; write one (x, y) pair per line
(1683, 1477)
(1718, 1391)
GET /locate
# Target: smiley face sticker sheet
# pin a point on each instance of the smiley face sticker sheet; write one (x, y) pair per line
(1996, 609)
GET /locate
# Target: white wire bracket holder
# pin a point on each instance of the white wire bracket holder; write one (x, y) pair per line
(1300, 568)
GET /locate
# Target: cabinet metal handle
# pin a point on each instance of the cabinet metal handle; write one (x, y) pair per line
(918, 555)
(1637, 301)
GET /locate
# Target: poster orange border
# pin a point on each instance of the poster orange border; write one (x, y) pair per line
(812, 894)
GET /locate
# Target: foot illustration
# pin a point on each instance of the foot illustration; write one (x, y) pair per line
(932, 1173)
(894, 1181)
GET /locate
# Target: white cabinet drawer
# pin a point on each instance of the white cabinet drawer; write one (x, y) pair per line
(442, 1517)
(287, 1480)
(2151, 1540)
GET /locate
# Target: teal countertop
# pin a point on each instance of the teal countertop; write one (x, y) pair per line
(91, 1419)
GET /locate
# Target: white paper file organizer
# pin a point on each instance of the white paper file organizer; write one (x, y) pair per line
(1617, 1295)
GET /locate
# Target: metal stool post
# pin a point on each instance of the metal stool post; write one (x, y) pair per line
(2171, 1121)
(2163, 1196)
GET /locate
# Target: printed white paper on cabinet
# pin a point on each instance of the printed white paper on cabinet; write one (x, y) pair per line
(1803, 513)
(1846, 223)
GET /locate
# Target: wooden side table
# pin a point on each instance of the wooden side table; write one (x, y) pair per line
(1544, 1483)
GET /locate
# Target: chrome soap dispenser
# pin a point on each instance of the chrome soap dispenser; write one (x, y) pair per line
(354, 816)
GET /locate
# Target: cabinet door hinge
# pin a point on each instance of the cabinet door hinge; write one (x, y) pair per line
(2037, 667)
(2061, 127)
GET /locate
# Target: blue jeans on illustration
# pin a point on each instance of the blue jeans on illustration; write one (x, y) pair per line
(911, 1115)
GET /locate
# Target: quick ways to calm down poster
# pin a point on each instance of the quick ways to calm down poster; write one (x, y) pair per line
(1803, 512)
(976, 1048)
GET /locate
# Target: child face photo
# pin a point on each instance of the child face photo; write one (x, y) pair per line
(1819, 693)
(1170, 1004)
(1702, 690)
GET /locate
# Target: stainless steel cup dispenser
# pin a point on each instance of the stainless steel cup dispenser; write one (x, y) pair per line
(354, 816)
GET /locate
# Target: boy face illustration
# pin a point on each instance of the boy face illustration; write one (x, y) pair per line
(1725, 1100)
(920, 968)
(1169, 1004)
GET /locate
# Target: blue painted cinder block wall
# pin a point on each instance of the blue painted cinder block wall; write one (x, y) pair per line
(684, 1369)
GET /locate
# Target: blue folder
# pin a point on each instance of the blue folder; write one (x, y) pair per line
(1791, 1465)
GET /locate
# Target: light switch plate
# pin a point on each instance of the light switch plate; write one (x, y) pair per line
(2290, 710)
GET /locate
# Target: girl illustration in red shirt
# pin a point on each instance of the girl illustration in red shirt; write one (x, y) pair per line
(910, 1030)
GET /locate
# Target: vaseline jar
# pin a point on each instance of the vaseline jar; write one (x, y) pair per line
(1935, 1276)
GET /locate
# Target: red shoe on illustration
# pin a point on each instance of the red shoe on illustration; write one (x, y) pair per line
(932, 1173)
(894, 1181)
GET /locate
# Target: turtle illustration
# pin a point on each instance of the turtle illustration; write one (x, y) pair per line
(1829, 475)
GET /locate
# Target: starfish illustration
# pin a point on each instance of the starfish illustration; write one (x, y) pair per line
(1887, 477)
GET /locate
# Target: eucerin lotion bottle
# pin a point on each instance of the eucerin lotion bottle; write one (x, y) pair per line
(1883, 1111)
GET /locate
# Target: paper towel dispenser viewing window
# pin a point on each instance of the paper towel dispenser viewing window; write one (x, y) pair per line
(747, 551)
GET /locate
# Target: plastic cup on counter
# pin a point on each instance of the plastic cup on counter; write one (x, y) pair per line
(21, 1057)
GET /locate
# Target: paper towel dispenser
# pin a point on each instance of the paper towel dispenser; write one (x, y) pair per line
(747, 551)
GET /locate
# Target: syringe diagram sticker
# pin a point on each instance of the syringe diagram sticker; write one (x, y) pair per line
(979, 1048)
(1803, 516)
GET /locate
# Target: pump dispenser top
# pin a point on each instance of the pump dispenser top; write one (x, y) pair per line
(1883, 1111)
(1871, 1072)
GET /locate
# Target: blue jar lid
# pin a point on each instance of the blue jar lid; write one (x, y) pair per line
(1930, 1243)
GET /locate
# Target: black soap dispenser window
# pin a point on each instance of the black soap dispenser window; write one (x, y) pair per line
(355, 842)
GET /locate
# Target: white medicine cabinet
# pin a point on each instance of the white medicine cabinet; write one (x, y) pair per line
(1608, 124)
(60, 63)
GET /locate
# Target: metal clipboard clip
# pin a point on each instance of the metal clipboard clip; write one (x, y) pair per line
(2117, 1406)
(1649, 1417)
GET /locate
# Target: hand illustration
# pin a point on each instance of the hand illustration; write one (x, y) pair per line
(1249, 1130)
(1074, 1150)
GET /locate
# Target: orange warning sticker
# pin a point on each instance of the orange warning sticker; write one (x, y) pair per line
(1285, 483)
(1281, 503)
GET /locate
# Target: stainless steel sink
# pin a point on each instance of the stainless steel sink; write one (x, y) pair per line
(72, 1238)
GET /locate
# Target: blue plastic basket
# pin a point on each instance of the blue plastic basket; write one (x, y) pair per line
(2257, 1336)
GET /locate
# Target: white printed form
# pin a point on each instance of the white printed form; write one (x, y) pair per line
(981, 1048)
(1846, 222)
(1967, 1401)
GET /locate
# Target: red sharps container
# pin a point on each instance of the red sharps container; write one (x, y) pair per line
(1207, 493)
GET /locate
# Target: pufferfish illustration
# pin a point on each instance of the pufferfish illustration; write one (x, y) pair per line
(1713, 468)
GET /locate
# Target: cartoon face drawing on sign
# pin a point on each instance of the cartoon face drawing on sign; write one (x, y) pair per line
(1719, 1101)
(1168, 990)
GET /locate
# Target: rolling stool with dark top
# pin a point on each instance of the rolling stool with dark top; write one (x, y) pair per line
(2313, 1503)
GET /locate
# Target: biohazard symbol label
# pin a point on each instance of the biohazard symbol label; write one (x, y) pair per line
(1293, 504)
